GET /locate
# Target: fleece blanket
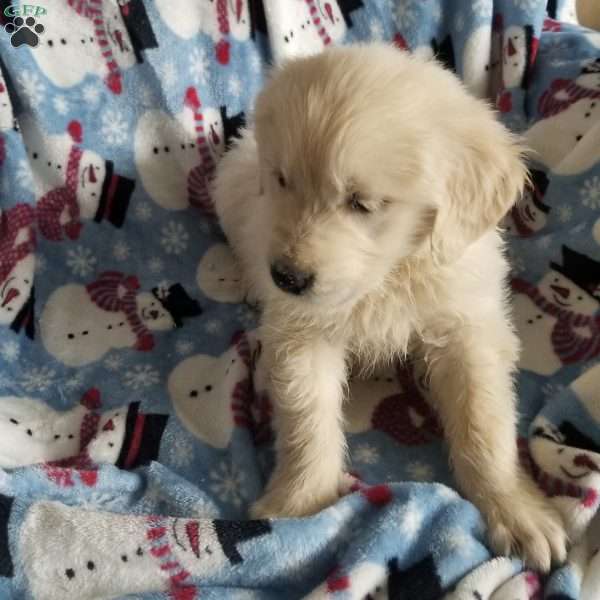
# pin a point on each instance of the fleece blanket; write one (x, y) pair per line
(135, 427)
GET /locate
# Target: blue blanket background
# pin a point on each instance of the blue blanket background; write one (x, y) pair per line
(130, 375)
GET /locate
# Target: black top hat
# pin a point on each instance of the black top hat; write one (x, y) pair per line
(591, 67)
(178, 303)
(231, 533)
(539, 181)
(24, 318)
(231, 125)
(114, 198)
(138, 27)
(347, 7)
(583, 271)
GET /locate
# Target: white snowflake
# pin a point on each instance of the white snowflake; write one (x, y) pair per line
(143, 211)
(38, 379)
(406, 15)
(181, 451)
(483, 8)
(565, 212)
(199, 65)
(145, 95)
(366, 454)
(23, 174)
(590, 192)
(228, 483)
(10, 351)
(91, 94)
(174, 238)
(420, 471)
(61, 104)
(204, 508)
(113, 362)
(121, 250)
(33, 88)
(544, 242)
(256, 63)
(40, 263)
(183, 347)
(457, 542)
(235, 86)
(213, 326)
(376, 30)
(156, 265)
(527, 5)
(410, 519)
(551, 389)
(168, 73)
(517, 264)
(141, 377)
(76, 382)
(246, 316)
(81, 261)
(113, 128)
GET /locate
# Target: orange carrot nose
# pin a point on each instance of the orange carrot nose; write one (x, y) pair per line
(92, 174)
(511, 48)
(11, 295)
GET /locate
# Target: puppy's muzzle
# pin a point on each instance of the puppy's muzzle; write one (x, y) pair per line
(290, 279)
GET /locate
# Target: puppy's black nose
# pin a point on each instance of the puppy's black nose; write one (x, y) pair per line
(290, 279)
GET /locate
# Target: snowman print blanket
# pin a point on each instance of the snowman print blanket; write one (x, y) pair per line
(135, 425)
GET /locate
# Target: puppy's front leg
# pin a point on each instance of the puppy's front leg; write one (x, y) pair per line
(472, 387)
(308, 375)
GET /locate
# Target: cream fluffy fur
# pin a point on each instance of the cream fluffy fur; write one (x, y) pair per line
(422, 272)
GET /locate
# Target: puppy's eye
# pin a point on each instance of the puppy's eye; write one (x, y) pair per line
(354, 202)
(280, 179)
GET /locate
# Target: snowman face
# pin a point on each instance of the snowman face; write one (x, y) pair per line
(68, 51)
(565, 294)
(202, 389)
(530, 214)
(92, 172)
(165, 152)
(15, 289)
(106, 445)
(196, 545)
(590, 81)
(153, 313)
(219, 276)
(563, 461)
(239, 19)
(514, 56)
(332, 18)
(298, 34)
(118, 37)
(214, 131)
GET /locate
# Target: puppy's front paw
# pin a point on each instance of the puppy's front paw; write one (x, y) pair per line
(525, 524)
(287, 502)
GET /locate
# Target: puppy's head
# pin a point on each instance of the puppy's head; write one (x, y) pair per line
(369, 156)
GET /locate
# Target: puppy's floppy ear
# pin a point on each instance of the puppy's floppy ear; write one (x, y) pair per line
(485, 176)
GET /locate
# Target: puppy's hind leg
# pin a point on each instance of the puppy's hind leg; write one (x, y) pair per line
(307, 385)
(472, 388)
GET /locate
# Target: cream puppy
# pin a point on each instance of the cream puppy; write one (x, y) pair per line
(363, 210)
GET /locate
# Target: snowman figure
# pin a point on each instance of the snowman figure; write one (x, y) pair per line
(176, 156)
(80, 324)
(73, 184)
(221, 20)
(210, 393)
(17, 264)
(557, 319)
(219, 276)
(529, 214)
(108, 555)
(566, 136)
(94, 32)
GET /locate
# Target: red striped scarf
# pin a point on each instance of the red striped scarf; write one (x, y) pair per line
(561, 94)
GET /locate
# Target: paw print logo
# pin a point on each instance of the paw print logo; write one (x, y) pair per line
(24, 31)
